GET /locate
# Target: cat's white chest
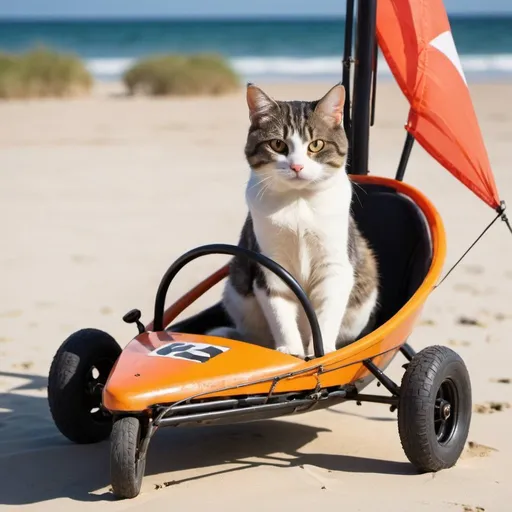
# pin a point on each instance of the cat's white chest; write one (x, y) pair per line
(286, 237)
(302, 233)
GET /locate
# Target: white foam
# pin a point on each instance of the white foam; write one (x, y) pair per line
(332, 65)
(112, 67)
(287, 65)
(485, 63)
(303, 67)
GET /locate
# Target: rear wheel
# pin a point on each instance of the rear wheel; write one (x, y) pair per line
(126, 466)
(77, 375)
(434, 412)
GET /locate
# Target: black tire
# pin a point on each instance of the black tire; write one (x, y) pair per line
(126, 469)
(78, 372)
(434, 412)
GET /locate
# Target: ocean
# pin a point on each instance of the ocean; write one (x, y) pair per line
(258, 50)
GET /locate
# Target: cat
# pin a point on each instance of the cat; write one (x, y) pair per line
(299, 198)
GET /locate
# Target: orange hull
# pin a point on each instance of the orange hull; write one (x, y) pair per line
(140, 380)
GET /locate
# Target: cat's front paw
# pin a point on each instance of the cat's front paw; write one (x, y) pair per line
(296, 353)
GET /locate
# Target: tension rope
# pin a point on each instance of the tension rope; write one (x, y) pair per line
(500, 214)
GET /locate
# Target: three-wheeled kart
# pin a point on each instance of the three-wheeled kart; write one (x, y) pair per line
(175, 375)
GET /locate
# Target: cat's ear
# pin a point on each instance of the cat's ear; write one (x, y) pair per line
(258, 102)
(331, 105)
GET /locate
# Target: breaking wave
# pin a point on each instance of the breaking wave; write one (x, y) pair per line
(305, 67)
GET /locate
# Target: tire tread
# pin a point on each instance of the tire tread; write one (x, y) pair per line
(416, 399)
(124, 479)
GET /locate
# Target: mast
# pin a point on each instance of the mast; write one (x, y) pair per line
(364, 65)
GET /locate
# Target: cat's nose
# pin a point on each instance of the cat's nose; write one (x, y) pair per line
(296, 167)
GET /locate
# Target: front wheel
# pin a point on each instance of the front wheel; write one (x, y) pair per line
(77, 375)
(434, 412)
(126, 464)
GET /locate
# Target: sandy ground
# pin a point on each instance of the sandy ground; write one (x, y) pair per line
(99, 195)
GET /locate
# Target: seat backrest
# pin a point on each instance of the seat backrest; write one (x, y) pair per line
(398, 232)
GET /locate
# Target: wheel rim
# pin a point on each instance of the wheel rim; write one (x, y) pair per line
(95, 381)
(446, 412)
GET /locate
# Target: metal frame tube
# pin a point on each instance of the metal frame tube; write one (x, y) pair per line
(382, 377)
(377, 399)
(404, 158)
(407, 351)
(233, 413)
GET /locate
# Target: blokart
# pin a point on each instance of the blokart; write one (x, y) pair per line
(173, 375)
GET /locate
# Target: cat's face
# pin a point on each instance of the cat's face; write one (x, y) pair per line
(295, 144)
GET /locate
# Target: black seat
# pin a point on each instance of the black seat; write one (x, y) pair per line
(398, 233)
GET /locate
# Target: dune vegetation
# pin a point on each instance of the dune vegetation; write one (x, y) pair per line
(42, 73)
(181, 75)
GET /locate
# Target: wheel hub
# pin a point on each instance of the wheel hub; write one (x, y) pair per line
(95, 382)
(445, 412)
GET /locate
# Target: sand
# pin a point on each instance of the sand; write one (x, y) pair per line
(99, 195)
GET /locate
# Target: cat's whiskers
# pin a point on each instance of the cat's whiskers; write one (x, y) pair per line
(263, 189)
(261, 181)
(263, 184)
(355, 192)
(358, 186)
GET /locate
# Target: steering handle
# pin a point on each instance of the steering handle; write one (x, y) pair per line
(234, 250)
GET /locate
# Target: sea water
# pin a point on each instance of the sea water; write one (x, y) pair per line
(258, 49)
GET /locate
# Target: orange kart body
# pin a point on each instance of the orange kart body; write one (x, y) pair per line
(142, 378)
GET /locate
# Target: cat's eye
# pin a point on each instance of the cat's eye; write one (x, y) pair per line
(316, 146)
(278, 145)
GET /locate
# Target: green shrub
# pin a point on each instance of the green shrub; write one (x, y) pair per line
(181, 75)
(42, 73)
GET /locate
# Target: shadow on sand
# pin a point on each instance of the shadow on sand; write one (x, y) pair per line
(39, 464)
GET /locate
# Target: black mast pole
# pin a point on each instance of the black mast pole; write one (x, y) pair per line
(347, 65)
(364, 50)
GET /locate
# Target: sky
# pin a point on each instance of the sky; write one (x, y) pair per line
(208, 8)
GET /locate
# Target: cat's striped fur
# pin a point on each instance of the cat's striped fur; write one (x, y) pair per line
(299, 215)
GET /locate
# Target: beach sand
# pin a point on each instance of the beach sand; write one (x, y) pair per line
(99, 195)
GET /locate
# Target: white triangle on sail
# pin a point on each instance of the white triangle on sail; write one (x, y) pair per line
(445, 44)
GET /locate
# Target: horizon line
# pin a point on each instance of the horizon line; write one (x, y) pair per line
(216, 18)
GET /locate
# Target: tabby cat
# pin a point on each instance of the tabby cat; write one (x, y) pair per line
(299, 198)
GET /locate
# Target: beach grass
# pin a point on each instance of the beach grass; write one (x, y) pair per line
(181, 75)
(42, 73)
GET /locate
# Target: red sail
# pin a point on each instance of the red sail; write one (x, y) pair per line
(417, 43)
